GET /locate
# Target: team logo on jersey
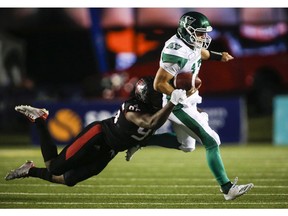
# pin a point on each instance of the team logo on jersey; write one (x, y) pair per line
(174, 46)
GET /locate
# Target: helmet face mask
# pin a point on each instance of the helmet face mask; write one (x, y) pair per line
(193, 28)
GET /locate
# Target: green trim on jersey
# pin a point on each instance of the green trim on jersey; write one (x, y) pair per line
(174, 59)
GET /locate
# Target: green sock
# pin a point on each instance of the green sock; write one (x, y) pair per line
(216, 165)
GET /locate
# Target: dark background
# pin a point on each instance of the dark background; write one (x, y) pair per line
(73, 54)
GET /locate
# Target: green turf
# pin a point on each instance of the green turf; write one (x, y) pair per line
(156, 178)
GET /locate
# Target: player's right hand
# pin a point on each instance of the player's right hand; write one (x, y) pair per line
(226, 57)
(178, 96)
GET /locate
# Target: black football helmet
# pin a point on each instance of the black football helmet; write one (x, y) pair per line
(145, 92)
(193, 28)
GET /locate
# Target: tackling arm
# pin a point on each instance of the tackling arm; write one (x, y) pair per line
(150, 121)
(156, 120)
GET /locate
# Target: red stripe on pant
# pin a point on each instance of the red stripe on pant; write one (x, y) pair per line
(81, 141)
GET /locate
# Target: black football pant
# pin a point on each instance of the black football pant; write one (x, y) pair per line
(85, 157)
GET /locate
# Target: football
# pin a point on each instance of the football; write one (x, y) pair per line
(184, 81)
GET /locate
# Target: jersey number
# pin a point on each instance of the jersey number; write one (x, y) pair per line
(193, 68)
(142, 133)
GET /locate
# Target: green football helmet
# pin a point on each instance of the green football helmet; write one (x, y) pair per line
(193, 28)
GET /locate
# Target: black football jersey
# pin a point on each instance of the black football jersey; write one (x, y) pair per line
(122, 134)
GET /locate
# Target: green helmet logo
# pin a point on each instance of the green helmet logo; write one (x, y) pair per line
(193, 28)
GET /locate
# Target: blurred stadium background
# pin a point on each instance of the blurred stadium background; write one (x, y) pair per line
(83, 55)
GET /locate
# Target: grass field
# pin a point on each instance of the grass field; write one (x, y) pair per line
(156, 178)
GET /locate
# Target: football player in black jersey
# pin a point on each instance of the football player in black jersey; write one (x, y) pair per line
(98, 143)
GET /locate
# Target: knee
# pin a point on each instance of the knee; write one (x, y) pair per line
(54, 169)
(216, 138)
(70, 182)
(71, 178)
(211, 141)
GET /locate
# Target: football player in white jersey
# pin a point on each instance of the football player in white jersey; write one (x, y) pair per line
(183, 53)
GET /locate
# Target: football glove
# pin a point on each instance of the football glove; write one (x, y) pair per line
(177, 96)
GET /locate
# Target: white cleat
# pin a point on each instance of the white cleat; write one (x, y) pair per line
(32, 113)
(21, 172)
(237, 190)
(131, 151)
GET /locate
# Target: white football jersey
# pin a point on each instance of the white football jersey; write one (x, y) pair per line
(177, 57)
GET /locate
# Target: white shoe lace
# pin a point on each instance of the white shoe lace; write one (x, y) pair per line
(235, 182)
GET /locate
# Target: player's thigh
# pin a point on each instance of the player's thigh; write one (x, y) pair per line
(195, 124)
(89, 169)
(78, 152)
(184, 136)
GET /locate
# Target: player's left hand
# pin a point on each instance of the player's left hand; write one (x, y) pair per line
(131, 151)
(226, 57)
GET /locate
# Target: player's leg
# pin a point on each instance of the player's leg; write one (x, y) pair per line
(60, 164)
(29, 169)
(166, 140)
(99, 159)
(49, 150)
(187, 142)
(38, 116)
(199, 129)
(76, 153)
(93, 162)
(48, 147)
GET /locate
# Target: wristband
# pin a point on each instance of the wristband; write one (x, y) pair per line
(215, 56)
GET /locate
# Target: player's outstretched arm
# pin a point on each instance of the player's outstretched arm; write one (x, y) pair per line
(217, 56)
(156, 120)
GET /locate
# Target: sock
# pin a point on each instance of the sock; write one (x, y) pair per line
(216, 165)
(48, 148)
(41, 173)
(226, 187)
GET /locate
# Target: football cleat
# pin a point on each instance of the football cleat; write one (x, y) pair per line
(32, 113)
(21, 172)
(237, 190)
(131, 151)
